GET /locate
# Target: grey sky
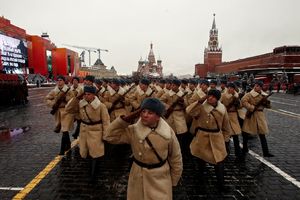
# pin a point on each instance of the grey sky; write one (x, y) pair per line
(179, 29)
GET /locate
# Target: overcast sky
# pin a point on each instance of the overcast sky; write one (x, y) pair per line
(179, 29)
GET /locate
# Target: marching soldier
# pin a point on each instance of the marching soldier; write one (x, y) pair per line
(213, 84)
(142, 91)
(94, 122)
(223, 87)
(57, 99)
(175, 114)
(115, 99)
(77, 91)
(200, 93)
(160, 88)
(157, 162)
(212, 131)
(255, 121)
(231, 101)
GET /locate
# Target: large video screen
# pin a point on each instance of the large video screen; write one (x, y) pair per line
(14, 56)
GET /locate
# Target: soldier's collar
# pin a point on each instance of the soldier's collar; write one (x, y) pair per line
(142, 131)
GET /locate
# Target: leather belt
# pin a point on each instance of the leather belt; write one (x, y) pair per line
(149, 166)
(207, 130)
(92, 123)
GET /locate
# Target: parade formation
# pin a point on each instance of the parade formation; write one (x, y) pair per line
(155, 121)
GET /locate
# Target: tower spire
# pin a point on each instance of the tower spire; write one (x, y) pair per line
(214, 23)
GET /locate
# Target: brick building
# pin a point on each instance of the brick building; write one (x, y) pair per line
(285, 59)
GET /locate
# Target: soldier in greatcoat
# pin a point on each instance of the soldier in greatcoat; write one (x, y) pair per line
(142, 91)
(157, 162)
(115, 99)
(77, 91)
(199, 95)
(175, 114)
(57, 100)
(211, 133)
(255, 123)
(94, 122)
(231, 101)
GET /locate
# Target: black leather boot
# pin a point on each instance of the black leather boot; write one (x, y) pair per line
(219, 170)
(77, 130)
(264, 146)
(237, 148)
(93, 169)
(62, 145)
(245, 143)
(67, 140)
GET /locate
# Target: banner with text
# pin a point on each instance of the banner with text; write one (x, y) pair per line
(14, 57)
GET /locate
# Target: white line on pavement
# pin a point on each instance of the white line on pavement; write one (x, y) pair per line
(289, 112)
(276, 169)
(289, 104)
(11, 188)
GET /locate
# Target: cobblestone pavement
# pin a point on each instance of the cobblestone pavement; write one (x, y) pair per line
(24, 156)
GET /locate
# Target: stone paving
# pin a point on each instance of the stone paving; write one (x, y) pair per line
(23, 156)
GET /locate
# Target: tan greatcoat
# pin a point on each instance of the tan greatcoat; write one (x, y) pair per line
(149, 184)
(139, 95)
(227, 100)
(90, 136)
(177, 118)
(257, 123)
(115, 106)
(63, 118)
(210, 146)
(197, 95)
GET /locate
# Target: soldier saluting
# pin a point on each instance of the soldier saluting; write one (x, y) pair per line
(211, 133)
(157, 162)
(57, 99)
(255, 121)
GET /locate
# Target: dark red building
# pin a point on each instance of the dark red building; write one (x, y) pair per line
(285, 59)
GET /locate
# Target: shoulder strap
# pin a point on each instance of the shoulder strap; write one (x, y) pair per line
(215, 119)
(87, 114)
(150, 144)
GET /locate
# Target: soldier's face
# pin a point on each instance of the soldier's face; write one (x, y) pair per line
(149, 118)
(257, 88)
(204, 87)
(212, 85)
(175, 87)
(212, 100)
(75, 82)
(168, 86)
(231, 90)
(192, 86)
(143, 87)
(60, 82)
(89, 97)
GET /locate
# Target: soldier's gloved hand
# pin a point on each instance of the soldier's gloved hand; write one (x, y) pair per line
(132, 116)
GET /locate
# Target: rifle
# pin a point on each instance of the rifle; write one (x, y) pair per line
(171, 108)
(120, 98)
(233, 102)
(249, 113)
(60, 99)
